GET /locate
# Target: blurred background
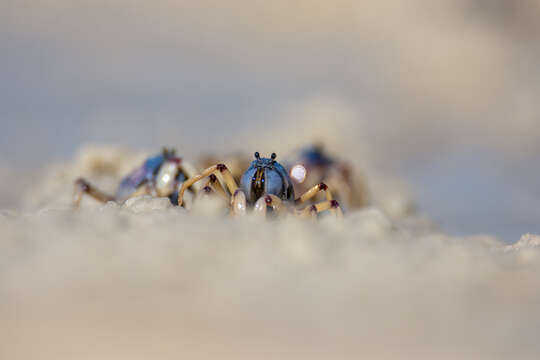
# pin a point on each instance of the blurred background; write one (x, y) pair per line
(443, 94)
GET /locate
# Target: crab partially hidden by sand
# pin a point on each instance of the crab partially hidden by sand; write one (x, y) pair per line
(160, 175)
(265, 187)
(311, 165)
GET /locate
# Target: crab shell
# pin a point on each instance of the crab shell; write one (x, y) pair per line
(161, 170)
(266, 176)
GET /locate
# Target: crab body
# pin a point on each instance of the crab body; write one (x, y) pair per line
(159, 175)
(312, 165)
(160, 170)
(264, 186)
(266, 176)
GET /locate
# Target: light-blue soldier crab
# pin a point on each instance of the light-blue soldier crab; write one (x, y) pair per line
(159, 175)
(312, 164)
(265, 187)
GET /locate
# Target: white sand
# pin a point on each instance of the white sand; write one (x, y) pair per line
(148, 281)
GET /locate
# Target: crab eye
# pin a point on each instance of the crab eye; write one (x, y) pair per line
(298, 173)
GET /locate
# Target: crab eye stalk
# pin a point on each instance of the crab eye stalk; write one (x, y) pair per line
(257, 155)
(273, 156)
(168, 152)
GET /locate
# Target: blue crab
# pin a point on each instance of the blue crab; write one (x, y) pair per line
(265, 186)
(312, 164)
(159, 175)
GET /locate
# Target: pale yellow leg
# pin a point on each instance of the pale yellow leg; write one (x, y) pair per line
(189, 171)
(144, 190)
(227, 178)
(331, 205)
(84, 187)
(237, 200)
(216, 169)
(265, 201)
(238, 203)
(214, 184)
(314, 191)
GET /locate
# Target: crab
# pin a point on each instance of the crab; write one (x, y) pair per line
(264, 187)
(159, 175)
(312, 164)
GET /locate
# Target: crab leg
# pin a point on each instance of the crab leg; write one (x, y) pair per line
(212, 184)
(314, 191)
(189, 171)
(238, 203)
(331, 205)
(84, 187)
(216, 169)
(262, 204)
